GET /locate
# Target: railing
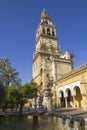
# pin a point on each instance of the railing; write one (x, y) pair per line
(25, 111)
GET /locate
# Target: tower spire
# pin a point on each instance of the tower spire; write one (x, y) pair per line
(44, 16)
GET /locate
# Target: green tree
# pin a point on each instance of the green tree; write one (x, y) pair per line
(2, 94)
(13, 94)
(22, 98)
(8, 74)
(31, 90)
(15, 97)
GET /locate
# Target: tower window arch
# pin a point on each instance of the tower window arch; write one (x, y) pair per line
(53, 33)
(48, 31)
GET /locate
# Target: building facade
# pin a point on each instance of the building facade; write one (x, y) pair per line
(49, 66)
(71, 89)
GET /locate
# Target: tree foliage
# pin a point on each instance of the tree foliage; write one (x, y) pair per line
(8, 74)
(13, 94)
(2, 93)
(30, 90)
(9, 92)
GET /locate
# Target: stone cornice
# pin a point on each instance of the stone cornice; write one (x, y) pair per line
(46, 36)
(63, 60)
(45, 53)
(35, 77)
(47, 25)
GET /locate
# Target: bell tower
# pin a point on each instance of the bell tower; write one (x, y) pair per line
(49, 64)
(46, 39)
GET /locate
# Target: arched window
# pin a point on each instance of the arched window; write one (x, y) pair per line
(48, 31)
(53, 33)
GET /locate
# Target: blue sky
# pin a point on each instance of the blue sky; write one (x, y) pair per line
(18, 23)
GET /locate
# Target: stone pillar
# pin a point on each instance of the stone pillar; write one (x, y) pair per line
(66, 102)
(77, 125)
(84, 98)
(84, 94)
(59, 103)
(40, 100)
(74, 102)
(48, 99)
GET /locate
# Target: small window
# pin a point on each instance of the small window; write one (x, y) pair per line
(47, 75)
(43, 31)
(41, 83)
(53, 34)
(41, 71)
(46, 22)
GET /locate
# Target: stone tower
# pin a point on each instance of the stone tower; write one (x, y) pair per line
(49, 64)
